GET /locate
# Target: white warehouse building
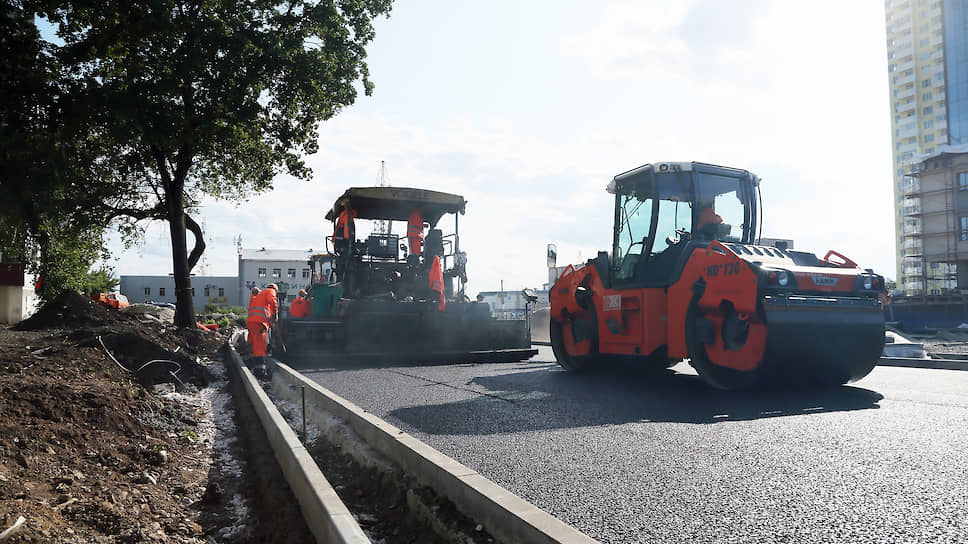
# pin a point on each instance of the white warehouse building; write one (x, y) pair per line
(221, 290)
(287, 268)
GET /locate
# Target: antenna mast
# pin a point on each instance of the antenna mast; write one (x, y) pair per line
(383, 227)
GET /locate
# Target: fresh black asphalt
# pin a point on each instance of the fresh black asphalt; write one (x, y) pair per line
(632, 456)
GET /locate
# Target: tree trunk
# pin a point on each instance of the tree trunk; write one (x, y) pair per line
(175, 204)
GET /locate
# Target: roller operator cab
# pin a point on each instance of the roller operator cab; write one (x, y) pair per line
(687, 280)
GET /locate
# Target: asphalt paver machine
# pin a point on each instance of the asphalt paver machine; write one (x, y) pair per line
(687, 280)
(371, 297)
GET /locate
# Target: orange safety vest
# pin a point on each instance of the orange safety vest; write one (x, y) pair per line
(299, 307)
(415, 228)
(263, 307)
(343, 222)
(437, 282)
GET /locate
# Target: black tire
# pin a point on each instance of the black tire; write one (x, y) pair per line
(713, 374)
(566, 360)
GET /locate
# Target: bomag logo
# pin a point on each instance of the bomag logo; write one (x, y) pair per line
(824, 281)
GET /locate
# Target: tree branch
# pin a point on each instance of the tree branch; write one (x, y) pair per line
(199, 248)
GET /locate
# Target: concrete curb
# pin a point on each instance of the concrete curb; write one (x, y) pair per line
(326, 516)
(504, 514)
(939, 364)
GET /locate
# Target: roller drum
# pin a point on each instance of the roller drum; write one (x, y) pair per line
(813, 340)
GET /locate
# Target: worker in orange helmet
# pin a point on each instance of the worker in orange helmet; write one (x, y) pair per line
(300, 305)
(415, 228)
(262, 315)
(708, 224)
(255, 293)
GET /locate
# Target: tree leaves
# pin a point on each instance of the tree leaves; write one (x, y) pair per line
(164, 102)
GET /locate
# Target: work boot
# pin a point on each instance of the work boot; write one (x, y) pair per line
(260, 372)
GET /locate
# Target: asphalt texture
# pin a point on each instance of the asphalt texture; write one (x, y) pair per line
(627, 455)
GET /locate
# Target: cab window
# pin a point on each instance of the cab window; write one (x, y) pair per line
(635, 218)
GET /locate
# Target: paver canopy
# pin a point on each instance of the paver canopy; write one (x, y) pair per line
(396, 203)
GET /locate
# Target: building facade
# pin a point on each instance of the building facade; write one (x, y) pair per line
(287, 268)
(940, 184)
(510, 304)
(927, 51)
(221, 290)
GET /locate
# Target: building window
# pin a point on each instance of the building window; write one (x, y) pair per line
(193, 291)
(206, 291)
(147, 291)
(926, 83)
(262, 272)
(291, 273)
(928, 124)
(305, 273)
(276, 272)
(963, 181)
(926, 96)
(929, 138)
(221, 291)
(926, 110)
(964, 227)
(161, 291)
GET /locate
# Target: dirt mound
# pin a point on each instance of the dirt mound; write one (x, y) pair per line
(68, 310)
(89, 452)
(86, 450)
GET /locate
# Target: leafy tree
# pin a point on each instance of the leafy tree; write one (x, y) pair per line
(186, 98)
(101, 280)
(50, 175)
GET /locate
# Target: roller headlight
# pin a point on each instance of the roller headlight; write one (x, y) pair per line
(868, 282)
(782, 278)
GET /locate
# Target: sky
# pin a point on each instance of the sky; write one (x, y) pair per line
(528, 109)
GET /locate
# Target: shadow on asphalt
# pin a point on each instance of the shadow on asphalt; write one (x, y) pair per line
(550, 398)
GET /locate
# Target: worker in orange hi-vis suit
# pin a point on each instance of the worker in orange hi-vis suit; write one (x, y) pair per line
(255, 293)
(345, 225)
(437, 282)
(300, 305)
(415, 228)
(262, 314)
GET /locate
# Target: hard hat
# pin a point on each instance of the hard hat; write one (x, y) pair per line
(256, 290)
(272, 286)
(302, 292)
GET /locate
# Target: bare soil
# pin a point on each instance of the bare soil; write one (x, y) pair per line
(390, 507)
(92, 451)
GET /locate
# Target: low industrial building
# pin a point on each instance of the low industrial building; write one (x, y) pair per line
(287, 268)
(221, 290)
(510, 304)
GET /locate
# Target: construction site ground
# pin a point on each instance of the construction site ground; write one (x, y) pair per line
(99, 444)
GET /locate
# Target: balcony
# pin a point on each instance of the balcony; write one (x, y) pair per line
(906, 106)
(913, 247)
(902, 67)
(938, 55)
(907, 133)
(905, 80)
(908, 148)
(910, 187)
(904, 94)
